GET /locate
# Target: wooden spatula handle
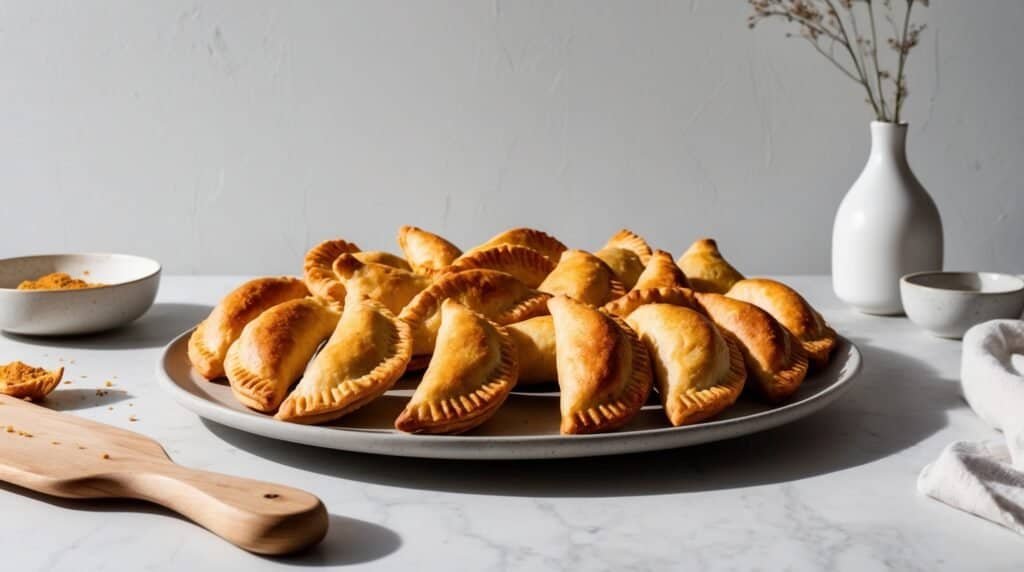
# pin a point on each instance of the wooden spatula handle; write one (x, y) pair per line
(260, 517)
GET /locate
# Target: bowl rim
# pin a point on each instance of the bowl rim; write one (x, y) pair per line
(907, 279)
(148, 276)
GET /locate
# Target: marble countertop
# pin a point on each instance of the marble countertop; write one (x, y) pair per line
(835, 491)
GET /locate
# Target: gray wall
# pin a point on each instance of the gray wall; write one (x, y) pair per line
(226, 137)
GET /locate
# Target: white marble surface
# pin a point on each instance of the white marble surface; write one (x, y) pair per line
(834, 491)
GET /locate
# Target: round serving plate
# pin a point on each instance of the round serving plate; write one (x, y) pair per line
(526, 426)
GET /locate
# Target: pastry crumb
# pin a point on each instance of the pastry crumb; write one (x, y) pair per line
(108, 383)
(24, 381)
(105, 456)
(55, 442)
(133, 419)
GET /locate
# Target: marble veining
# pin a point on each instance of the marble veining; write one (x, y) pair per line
(834, 491)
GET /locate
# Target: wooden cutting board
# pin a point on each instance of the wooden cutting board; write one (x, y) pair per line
(67, 456)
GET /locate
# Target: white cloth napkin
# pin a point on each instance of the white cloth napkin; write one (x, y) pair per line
(987, 478)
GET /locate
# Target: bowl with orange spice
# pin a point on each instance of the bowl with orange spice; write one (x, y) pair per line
(69, 294)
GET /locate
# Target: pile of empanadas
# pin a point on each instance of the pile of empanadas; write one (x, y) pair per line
(522, 308)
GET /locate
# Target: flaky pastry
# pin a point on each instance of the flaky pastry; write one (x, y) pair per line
(363, 358)
(470, 375)
(604, 372)
(209, 344)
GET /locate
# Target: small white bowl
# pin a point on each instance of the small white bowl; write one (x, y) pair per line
(130, 285)
(947, 304)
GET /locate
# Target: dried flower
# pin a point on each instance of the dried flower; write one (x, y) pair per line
(826, 28)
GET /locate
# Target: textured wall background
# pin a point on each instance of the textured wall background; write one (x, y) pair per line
(226, 137)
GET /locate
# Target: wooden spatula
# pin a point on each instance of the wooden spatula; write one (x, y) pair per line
(67, 456)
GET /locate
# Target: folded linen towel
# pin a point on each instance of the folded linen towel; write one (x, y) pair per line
(987, 478)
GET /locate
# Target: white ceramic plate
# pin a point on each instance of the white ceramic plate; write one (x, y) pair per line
(130, 286)
(526, 426)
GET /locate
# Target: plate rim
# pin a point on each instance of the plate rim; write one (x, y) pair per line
(503, 447)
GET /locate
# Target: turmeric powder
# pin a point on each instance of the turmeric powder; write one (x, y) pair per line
(56, 281)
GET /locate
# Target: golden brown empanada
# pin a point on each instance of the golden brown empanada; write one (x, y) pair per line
(426, 252)
(388, 285)
(705, 268)
(381, 257)
(320, 278)
(538, 240)
(698, 372)
(535, 343)
(583, 276)
(661, 272)
(364, 357)
(498, 296)
(629, 240)
(626, 265)
(793, 312)
(210, 342)
(676, 296)
(526, 264)
(269, 356)
(604, 372)
(24, 381)
(775, 360)
(473, 370)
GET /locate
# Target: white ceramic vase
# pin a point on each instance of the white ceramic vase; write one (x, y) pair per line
(886, 226)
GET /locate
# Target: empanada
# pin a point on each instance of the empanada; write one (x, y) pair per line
(604, 372)
(210, 342)
(473, 370)
(793, 312)
(698, 372)
(538, 240)
(388, 285)
(705, 268)
(498, 296)
(535, 343)
(269, 356)
(626, 265)
(629, 240)
(661, 272)
(24, 381)
(583, 276)
(426, 252)
(526, 264)
(775, 360)
(381, 257)
(363, 358)
(625, 305)
(320, 278)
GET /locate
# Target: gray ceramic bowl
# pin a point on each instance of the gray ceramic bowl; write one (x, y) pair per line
(947, 304)
(130, 286)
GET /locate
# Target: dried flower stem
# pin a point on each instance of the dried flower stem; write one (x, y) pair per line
(874, 56)
(822, 21)
(861, 71)
(901, 88)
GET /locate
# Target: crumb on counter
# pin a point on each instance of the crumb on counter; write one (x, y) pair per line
(57, 281)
